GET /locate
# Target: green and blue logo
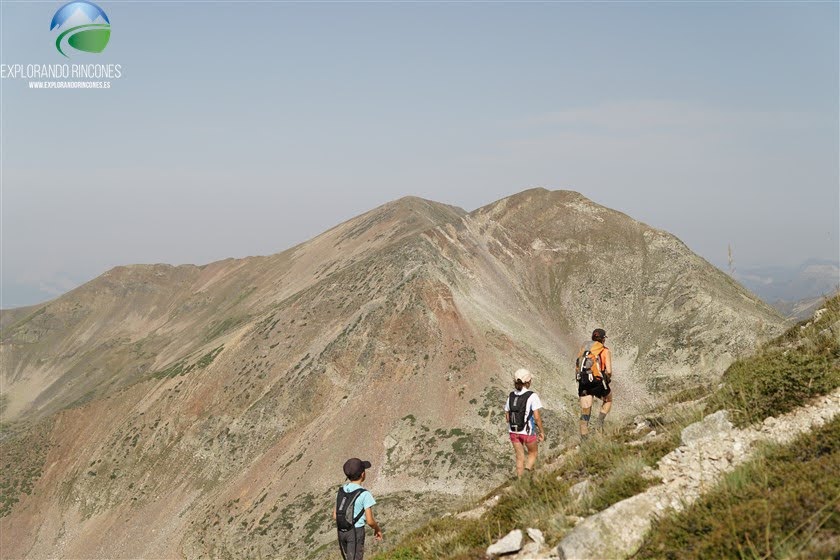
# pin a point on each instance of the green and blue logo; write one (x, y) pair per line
(81, 25)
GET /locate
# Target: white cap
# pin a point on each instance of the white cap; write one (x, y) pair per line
(522, 375)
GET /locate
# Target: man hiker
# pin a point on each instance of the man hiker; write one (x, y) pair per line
(593, 371)
(522, 413)
(352, 510)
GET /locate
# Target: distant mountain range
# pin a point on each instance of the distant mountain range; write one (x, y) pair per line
(791, 288)
(205, 411)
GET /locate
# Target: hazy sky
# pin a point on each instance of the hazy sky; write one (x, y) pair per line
(242, 128)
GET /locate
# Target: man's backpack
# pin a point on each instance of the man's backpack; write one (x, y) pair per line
(588, 364)
(344, 504)
(516, 406)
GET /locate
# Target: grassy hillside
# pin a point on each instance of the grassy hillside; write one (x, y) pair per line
(22, 454)
(801, 363)
(783, 503)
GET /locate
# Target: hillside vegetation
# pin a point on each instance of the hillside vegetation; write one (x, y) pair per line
(787, 371)
(785, 502)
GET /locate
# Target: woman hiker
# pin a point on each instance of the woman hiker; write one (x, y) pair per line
(522, 413)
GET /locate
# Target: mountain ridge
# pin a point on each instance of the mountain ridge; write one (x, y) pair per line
(253, 379)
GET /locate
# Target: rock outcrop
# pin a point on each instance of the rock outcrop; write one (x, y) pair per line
(710, 448)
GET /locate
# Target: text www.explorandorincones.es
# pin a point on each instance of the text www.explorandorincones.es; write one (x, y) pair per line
(69, 85)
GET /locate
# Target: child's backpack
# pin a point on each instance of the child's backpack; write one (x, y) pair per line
(588, 364)
(516, 406)
(344, 504)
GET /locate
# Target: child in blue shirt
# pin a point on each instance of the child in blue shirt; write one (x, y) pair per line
(352, 542)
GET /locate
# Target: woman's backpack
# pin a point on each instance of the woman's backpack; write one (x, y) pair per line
(517, 405)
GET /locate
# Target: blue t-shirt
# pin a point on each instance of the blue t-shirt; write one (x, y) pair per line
(363, 501)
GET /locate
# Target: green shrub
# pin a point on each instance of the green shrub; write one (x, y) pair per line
(23, 450)
(217, 329)
(208, 358)
(775, 382)
(690, 393)
(401, 553)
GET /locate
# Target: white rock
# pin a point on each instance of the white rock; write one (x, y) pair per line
(529, 551)
(616, 532)
(512, 542)
(536, 536)
(580, 490)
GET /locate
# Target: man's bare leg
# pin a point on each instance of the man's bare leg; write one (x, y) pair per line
(585, 412)
(606, 405)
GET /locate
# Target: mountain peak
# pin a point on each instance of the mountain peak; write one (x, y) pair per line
(422, 206)
(539, 198)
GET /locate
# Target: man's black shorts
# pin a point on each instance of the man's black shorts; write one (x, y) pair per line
(595, 388)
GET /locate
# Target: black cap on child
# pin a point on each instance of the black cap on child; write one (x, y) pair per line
(354, 468)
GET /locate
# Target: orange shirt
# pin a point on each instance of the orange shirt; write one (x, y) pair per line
(606, 361)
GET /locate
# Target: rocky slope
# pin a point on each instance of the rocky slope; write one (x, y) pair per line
(206, 410)
(710, 449)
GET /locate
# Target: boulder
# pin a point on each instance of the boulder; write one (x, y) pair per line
(536, 535)
(512, 542)
(616, 532)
